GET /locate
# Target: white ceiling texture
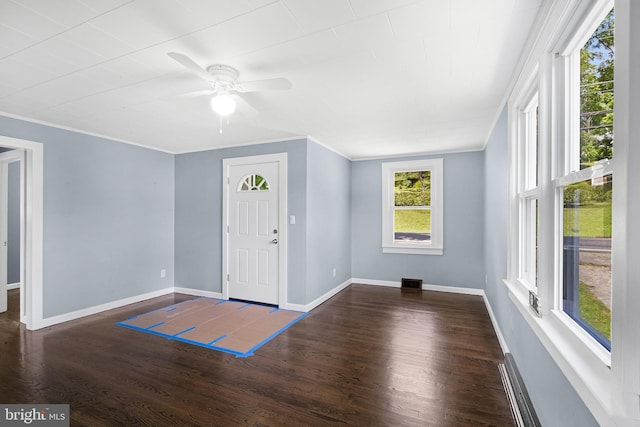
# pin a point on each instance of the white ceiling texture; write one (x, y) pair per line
(371, 78)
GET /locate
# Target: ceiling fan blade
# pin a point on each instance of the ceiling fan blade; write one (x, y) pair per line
(189, 95)
(191, 65)
(196, 93)
(279, 83)
(244, 107)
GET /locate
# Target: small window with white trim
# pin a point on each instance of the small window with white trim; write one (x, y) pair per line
(412, 207)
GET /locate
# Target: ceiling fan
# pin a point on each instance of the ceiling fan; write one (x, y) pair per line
(225, 86)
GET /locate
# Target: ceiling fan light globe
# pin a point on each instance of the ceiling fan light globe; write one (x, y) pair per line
(223, 104)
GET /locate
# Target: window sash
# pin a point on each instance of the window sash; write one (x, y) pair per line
(529, 206)
(433, 246)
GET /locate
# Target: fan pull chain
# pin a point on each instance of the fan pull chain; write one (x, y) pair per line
(220, 117)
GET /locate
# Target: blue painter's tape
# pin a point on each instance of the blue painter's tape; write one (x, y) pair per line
(278, 332)
(217, 339)
(153, 326)
(172, 309)
(274, 310)
(244, 306)
(148, 331)
(186, 330)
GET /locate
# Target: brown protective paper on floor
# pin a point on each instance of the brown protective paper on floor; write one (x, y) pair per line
(227, 324)
(245, 338)
(164, 314)
(192, 318)
(230, 325)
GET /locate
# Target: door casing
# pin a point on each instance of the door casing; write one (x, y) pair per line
(31, 233)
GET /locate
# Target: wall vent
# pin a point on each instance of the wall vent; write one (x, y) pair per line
(411, 283)
(521, 407)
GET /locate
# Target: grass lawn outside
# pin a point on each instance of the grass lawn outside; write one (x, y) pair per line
(593, 311)
(593, 220)
(412, 221)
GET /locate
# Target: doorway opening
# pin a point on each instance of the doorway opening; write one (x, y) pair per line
(11, 226)
(29, 156)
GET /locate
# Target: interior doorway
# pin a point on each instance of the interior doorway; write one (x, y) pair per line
(31, 161)
(11, 224)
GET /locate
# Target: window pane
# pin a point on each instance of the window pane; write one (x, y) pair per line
(531, 255)
(587, 255)
(596, 95)
(412, 188)
(253, 182)
(531, 148)
(412, 225)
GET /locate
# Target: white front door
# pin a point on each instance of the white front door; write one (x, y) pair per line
(254, 234)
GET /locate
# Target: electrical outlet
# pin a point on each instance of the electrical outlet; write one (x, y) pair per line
(163, 273)
(334, 272)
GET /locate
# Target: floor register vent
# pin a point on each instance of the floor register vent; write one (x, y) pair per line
(521, 406)
(411, 283)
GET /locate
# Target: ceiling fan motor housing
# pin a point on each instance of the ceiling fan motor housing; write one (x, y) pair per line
(223, 73)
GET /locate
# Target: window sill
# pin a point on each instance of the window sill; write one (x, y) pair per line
(585, 364)
(412, 250)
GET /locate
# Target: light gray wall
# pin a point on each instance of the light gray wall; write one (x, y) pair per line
(328, 220)
(198, 220)
(461, 265)
(108, 217)
(555, 400)
(13, 224)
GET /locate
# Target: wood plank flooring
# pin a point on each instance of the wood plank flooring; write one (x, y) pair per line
(370, 356)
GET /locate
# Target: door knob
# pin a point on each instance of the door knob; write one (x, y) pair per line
(274, 241)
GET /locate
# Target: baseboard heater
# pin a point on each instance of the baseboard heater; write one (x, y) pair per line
(521, 406)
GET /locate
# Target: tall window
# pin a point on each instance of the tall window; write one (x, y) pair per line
(528, 190)
(412, 207)
(587, 261)
(585, 187)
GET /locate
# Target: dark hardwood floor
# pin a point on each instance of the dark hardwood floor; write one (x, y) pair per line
(369, 356)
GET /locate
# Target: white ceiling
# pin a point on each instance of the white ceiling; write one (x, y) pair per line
(371, 78)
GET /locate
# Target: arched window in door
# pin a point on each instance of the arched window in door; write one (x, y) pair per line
(253, 182)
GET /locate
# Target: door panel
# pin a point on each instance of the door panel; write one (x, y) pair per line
(253, 232)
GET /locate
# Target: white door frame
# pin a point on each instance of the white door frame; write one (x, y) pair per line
(31, 231)
(4, 225)
(281, 159)
(6, 159)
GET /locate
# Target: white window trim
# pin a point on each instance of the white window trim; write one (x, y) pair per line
(435, 246)
(525, 129)
(607, 382)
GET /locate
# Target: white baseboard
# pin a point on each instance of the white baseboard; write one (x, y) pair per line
(376, 282)
(437, 288)
(11, 286)
(54, 320)
(496, 327)
(49, 321)
(313, 304)
(197, 292)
